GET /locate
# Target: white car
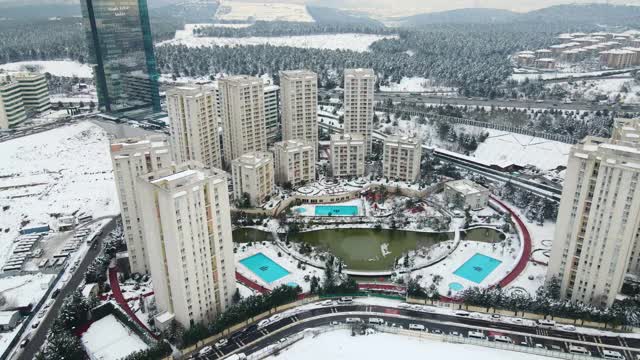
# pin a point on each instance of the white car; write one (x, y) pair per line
(275, 318)
(41, 314)
(568, 328)
(263, 323)
(221, 343)
(327, 303)
(205, 351)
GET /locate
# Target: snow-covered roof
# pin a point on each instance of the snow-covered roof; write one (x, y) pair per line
(109, 339)
(6, 317)
(466, 187)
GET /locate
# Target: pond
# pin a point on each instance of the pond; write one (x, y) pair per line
(368, 249)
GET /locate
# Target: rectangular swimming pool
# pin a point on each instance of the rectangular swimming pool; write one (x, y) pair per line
(336, 210)
(266, 269)
(477, 268)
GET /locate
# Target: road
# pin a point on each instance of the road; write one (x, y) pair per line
(39, 335)
(547, 104)
(444, 323)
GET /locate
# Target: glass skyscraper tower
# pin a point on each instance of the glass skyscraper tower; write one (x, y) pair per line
(121, 53)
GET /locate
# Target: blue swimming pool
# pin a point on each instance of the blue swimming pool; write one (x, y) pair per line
(477, 268)
(267, 269)
(455, 286)
(336, 210)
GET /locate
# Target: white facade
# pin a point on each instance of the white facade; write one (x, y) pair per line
(347, 155)
(194, 125)
(299, 105)
(295, 162)
(401, 158)
(20, 94)
(187, 228)
(132, 158)
(597, 233)
(466, 194)
(272, 112)
(243, 119)
(252, 173)
(359, 86)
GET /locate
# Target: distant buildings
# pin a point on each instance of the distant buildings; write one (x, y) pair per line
(295, 162)
(132, 158)
(22, 94)
(252, 174)
(121, 53)
(194, 125)
(359, 85)
(597, 237)
(187, 228)
(272, 112)
(299, 105)
(401, 158)
(243, 116)
(615, 51)
(347, 155)
(466, 194)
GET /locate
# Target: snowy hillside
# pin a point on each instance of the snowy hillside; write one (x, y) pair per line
(267, 11)
(354, 42)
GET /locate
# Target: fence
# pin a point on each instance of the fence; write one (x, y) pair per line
(456, 120)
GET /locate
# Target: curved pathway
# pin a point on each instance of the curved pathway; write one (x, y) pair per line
(526, 251)
(117, 294)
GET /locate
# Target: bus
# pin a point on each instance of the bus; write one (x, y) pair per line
(43, 263)
(574, 349)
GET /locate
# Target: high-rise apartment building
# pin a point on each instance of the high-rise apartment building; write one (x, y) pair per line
(347, 155)
(22, 94)
(401, 158)
(299, 98)
(597, 233)
(132, 158)
(243, 119)
(252, 174)
(295, 162)
(121, 53)
(359, 85)
(194, 125)
(272, 112)
(187, 229)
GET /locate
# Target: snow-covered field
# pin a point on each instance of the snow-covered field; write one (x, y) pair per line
(65, 68)
(624, 89)
(416, 84)
(339, 345)
(267, 11)
(62, 171)
(109, 339)
(523, 150)
(354, 42)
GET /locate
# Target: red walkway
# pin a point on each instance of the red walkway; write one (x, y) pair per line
(117, 294)
(251, 284)
(526, 253)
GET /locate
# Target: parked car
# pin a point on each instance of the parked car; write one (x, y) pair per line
(205, 351)
(263, 323)
(24, 342)
(55, 293)
(221, 343)
(35, 324)
(334, 323)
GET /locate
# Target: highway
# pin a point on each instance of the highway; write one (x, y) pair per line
(251, 341)
(39, 335)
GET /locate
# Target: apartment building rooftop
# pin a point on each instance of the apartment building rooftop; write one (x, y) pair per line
(345, 138)
(466, 187)
(253, 159)
(358, 73)
(241, 79)
(293, 145)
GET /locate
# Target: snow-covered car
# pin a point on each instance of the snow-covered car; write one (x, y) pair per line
(404, 306)
(326, 303)
(353, 320)
(437, 331)
(263, 323)
(283, 340)
(540, 346)
(334, 323)
(275, 318)
(205, 351)
(35, 324)
(568, 328)
(41, 314)
(221, 343)
(454, 333)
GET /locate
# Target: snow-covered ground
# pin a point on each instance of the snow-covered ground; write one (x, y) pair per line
(417, 84)
(354, 42)
(267, 11)
(62, 171)
(522, 74)
(339, 344)
(109, 339)
(624, 89)
(65, 68)
(523, 150)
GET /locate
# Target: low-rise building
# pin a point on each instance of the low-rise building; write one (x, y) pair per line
(546, 63)
(617, 58)
(9, 320)
(295, 162)
(466, 194)
(347, 155)
(252, 174)
(401, 158)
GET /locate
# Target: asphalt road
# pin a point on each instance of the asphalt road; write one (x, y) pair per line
(39, 335)
(434, 323)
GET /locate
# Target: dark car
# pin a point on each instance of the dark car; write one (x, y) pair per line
(55, 293)
(250, 329)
